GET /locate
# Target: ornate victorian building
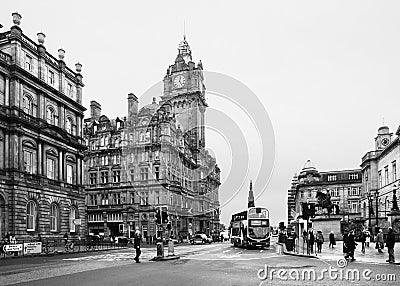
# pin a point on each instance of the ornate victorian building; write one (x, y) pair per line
(41, 144)
(154, 158)
(381, 177)
(343, 186)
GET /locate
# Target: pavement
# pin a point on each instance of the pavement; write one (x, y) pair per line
(371, 254)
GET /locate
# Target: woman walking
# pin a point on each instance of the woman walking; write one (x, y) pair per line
(379, 241)
(332, 241)
(320, 241)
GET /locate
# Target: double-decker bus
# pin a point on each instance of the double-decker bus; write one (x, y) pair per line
(251, 228)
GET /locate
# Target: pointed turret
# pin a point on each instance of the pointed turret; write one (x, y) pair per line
(250, 202)
(184, 50)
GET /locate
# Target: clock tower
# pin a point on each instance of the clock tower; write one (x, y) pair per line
(383, 139)
(184, 95)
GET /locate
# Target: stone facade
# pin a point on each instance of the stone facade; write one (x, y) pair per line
(41, 144)
(380, 174)
(155, 157)
(343, 186)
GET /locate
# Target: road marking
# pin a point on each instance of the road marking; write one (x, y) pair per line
(261, 250)
(230, 258)
(226, 251)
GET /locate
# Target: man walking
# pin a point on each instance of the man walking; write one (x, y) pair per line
(136, 244)
(351, 246)
(390, 241)
(362, 240)
(379, 241)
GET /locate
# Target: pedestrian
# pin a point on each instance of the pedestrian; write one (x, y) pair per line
(136, 244)
(363, 238)
(305, 241)
(332, 241)
(294, 235)
(367, 238)
(379, 241)
(65, 239)
(390, 241)
(320, 240)
(311, 239)
(351, 246)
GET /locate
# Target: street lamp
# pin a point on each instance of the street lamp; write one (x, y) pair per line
(370, 211)
(377, 209)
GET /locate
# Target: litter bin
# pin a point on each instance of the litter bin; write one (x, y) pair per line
(160, 249)
(289, 244)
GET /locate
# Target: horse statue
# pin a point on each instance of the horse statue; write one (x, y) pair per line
(324, 201)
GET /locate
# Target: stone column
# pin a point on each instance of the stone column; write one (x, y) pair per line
(7, 150)
(7, 92)
(21, 164)
(60, 165)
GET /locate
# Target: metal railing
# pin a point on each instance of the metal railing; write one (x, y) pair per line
(51, 246)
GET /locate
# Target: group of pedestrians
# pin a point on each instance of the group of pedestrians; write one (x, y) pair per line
(310, 239)
(349, 243)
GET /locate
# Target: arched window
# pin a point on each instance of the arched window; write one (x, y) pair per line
(54, 215)
(72, 217)
(27, 104)
(50, 115)
(68, 125)
(31, 214)
(29, 152)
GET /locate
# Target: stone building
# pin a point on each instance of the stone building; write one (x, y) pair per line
(41, 144)
(343, 186)
(380, 177)
(154, 157)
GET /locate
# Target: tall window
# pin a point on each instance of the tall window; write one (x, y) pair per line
(27, 105)
(28, 63)
(50, 115)
(394, 171)
(144, 174)
(31, 216)
(144, 198)
(116, 176)
(68, 125)
(104, 177)
(157, 199)
(93, 200)
(380, 179)
(70, 174)
(51, 77)
(386, 175)
(50, 168)
(93, 178)
(69, 89)
(334, 192)
(28, 161)
(157, 172)
(72, 217)
(132, 175)
(53, 217)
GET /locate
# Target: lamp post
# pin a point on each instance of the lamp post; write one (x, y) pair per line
(377, 210)
(370, 211)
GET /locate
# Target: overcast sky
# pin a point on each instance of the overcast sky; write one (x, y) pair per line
(327, 72)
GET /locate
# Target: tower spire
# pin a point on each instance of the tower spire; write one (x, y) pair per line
(184, 29)
(250, 202)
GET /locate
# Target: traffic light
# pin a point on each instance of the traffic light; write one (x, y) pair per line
(312, 210)
(158, 216)
(304, 211)
(164, 214)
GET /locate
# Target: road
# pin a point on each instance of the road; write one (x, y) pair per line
(215, 264)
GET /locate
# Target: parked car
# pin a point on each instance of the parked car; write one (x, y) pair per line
(197, 239)
(207, 239)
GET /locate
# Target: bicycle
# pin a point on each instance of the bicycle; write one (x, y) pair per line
(69, 246)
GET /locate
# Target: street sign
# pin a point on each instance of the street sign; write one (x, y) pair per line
(32, 247)
(12, 247)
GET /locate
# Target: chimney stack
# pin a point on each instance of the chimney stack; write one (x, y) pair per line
(95, 110)
(132, 107)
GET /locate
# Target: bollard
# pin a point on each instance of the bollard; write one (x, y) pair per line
(171, 248)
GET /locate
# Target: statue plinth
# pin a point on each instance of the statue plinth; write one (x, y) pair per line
(327, 223)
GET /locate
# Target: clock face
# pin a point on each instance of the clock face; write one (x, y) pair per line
(179, 81)
(385, 142)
